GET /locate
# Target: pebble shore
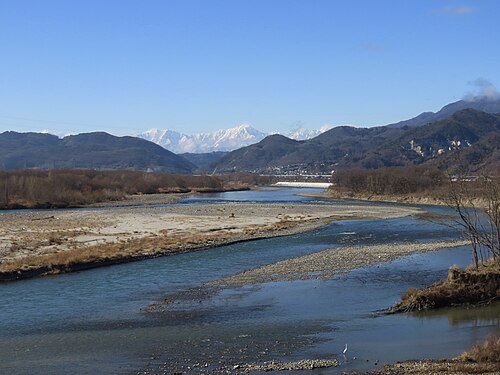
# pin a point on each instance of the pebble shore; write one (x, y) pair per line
(305, 364)
(324, 264)
(439, 367)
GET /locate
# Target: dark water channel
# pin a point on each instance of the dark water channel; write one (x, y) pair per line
(95, 322)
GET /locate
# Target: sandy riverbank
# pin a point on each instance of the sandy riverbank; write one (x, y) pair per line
(53, 241)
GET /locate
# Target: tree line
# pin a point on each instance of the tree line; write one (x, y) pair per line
(390, 180)
(66, 188)
(474, 198)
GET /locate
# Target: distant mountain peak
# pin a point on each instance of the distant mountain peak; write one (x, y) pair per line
(473, 132)
(244, 127)
(220, 140)
(484, 103)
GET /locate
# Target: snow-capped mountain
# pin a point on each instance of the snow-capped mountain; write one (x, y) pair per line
(224, 140)
(163, 137)
(221, 140)
(302, 133)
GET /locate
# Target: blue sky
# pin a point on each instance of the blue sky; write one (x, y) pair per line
(127, 66)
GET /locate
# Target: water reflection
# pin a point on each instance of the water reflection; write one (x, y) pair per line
(268, 195)
(486, 315)
(97, 318)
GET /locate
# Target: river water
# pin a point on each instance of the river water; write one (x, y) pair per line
(96, 322)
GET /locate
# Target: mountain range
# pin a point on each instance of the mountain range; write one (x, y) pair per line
(225, 140)
(475, 133)
(479, 103)
(430, 138)
(220, 140)
(89, 150)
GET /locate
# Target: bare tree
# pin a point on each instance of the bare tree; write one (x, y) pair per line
(476, 199)
(491, 239)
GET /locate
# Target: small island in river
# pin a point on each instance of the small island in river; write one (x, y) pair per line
(44, 242)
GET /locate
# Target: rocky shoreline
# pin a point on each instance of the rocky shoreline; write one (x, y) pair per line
(304, 364)
(324, 264)
(438, 367)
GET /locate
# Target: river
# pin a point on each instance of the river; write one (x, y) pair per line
(96, 322)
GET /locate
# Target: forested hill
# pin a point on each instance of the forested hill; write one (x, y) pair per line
(89, 150)
(474, 133)
(483, 104)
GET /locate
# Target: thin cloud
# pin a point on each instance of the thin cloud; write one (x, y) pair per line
(458, 10)
(484, 89)
(371, 46)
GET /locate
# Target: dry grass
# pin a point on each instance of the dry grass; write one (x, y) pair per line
(482, 358)
(37, 243)
(139, 248)
(462, 287)
(73, 188)
(487, 351)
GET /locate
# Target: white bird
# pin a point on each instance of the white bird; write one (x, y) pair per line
(345, 349)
